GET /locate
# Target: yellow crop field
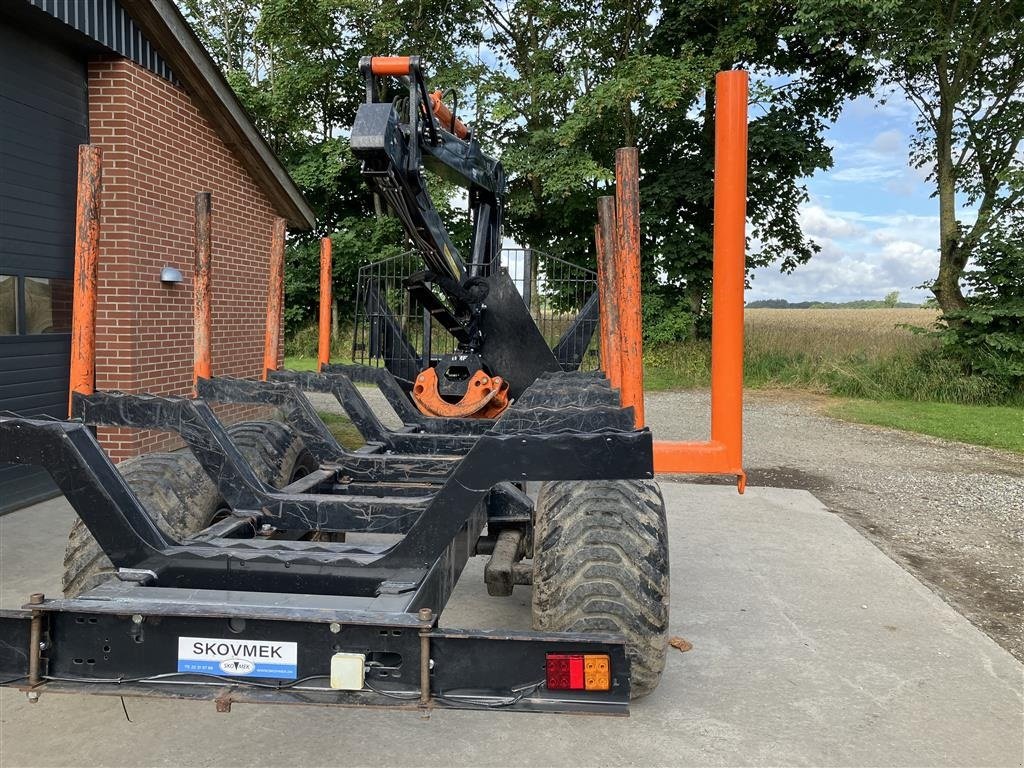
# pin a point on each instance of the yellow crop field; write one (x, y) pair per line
(837, 334)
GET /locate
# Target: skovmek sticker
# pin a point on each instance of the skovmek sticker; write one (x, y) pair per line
(238, 658)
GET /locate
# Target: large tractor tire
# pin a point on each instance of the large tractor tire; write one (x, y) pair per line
(181, 498)
(600, 564)
(275, 451)
(172, 488)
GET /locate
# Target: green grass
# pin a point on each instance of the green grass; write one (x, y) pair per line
(342, 428)
(993, 426)
(919, 375)
(298, 363)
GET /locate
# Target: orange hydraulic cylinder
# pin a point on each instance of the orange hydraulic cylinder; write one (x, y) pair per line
(445, 117)
(324, 347)
(724, 453)
(87, 246)
(391, 65)
(275, 299)
(627, 264)
(202, 309)
(607, 276)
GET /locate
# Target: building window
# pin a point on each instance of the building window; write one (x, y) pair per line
(47, 305)
(35, 305)
(8, 305)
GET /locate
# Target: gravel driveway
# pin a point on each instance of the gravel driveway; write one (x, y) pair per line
(951, 514)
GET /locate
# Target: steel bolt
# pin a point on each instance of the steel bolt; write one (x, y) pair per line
(33, 697)
(35, 598)
(426, 614)
(44, 646)
(335, 627)
(137, 619)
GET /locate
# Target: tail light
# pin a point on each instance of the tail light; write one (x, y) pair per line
(579, 672)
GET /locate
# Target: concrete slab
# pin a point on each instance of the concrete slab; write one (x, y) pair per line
(811, 647)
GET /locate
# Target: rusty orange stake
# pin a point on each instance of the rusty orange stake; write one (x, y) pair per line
(607, 277)
(724, 453)
(87, 246)
(275, 299)
(602, 322)
(324, 349)
(627, 264)
(202, 310)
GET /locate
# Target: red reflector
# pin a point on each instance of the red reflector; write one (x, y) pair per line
(565, 672)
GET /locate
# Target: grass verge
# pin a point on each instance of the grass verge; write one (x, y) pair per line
(989, 425)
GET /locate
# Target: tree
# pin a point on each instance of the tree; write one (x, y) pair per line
(892, 298)
(801, 75)
(294, 66)
(574, 81)
(961, 63)
(988, 334)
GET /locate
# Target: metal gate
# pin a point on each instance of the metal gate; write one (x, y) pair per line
(555, 290)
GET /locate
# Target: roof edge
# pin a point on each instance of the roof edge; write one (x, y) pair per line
(168, 31)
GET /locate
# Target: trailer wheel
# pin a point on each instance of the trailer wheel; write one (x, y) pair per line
(173, 489)
(275, 450)
(601, 564)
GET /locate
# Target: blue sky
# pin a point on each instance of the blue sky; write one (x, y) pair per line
(871, 214)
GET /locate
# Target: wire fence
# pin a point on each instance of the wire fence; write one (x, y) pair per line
(391, 325)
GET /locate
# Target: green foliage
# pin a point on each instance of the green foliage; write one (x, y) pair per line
(294, 66)
(358, 242)
(921, 376)
(989, 334)
(575, 81)
(665, 321)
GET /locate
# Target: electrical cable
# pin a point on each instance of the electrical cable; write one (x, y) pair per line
(170, 675)
(390, 694)
(450, 697)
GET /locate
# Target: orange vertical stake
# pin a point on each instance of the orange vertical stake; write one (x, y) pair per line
(627, 262)
(729, 270)
(723, 454)
(324, 349)
(275, 299)
(607, 276)
(602, 321)
(87, 246)
(202, 310)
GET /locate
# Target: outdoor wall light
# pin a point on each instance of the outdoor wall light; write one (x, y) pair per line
(170, 276)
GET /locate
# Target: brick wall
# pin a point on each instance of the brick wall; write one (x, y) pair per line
(158, 151)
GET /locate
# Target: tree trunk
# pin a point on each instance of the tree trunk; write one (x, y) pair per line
(952, 257)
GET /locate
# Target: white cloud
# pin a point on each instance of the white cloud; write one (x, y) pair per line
(819, 223)
(862, 257)
(867, 173)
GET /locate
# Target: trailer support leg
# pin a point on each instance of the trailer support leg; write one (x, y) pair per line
(426, 617)
(35, 641)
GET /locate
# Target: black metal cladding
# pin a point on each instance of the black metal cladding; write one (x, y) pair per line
(44, 116)
(106, 22)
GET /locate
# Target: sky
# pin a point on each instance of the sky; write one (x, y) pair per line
(871, 213)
